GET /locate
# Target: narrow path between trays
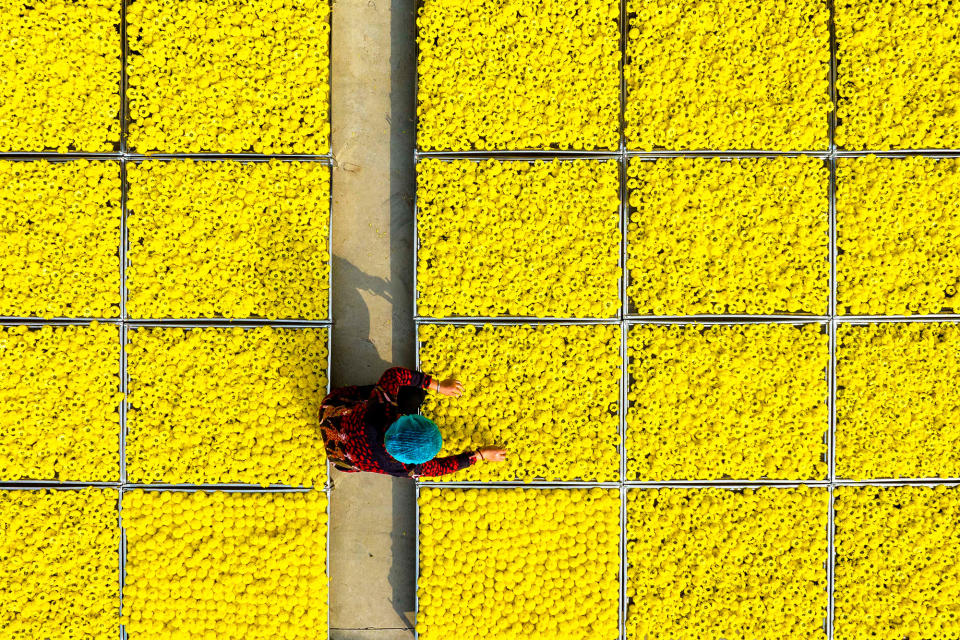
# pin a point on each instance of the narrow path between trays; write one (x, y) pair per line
(372, 517)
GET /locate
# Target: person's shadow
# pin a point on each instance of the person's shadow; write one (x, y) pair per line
(356, 359)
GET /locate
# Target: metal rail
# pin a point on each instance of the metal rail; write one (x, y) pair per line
(219, 486)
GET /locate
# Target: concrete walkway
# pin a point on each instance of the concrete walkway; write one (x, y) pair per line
(372, 517)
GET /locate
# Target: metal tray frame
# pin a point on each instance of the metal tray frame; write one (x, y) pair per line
(828, 376)
(528, 159)
(622, 600)
(194, 489)
(542, 482)
(126, 262)
(221, 486)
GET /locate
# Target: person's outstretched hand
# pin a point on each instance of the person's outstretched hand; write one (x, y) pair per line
(493, 454)
(450, 387)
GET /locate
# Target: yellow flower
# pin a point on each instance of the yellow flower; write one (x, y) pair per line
(716, 563)
(60, 419)
(60, 239)
(741, 237)
(898, 235)
(518, 564)
(898, 65)
(61, 557)
(228, 76)
(549, 394)
(727, 401)
(60, 77)
(226, 239)
(225, 565)
(212, 406)
(524, 74)
(898, 410)
(521, 239)
(896, 570)
(728, 75)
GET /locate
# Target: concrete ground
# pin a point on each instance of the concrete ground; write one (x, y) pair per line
(372, 517)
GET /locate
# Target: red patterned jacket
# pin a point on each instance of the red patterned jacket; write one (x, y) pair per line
(363, 416)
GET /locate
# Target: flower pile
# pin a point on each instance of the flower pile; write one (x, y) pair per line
(898, 235)
(211, 239)
(898, 411)
(728, 75)
(549, 394)
(518, 74)
(225, 565)
(515, 564)
(727, 401)
(60, 390)
(60, 239)
(59, 564)
(708, 236)
(60, 79)
(897, 70)
(715, 563)
(229, 76)
(210, 406)
(897, 574)
(519, 239)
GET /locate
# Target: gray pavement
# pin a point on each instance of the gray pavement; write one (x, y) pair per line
(372, 517)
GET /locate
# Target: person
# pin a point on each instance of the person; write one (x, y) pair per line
(377, 428)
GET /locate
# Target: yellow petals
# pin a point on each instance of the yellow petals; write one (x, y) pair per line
(518, 239)
(226, 239)
(210, 406)
(229, 77)
(728, 75)
(898, 70)
(896, 569)
(525, 390)
(60, 239)
(898, 235)
(746, 402)
(898, 411)
(225, 565)
(521, 74)
(60, 570)
(60, 390)
(741, 237)
(716, 563)
(519, 564)
(60, 77)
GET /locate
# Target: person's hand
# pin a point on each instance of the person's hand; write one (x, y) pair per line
(450, 387)
(493, 454)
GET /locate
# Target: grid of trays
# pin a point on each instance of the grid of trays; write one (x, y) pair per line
(627, 319)
(124, 323)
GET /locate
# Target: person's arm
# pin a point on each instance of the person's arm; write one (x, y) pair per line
(393, 379)
(452, 464)
(443, 466)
